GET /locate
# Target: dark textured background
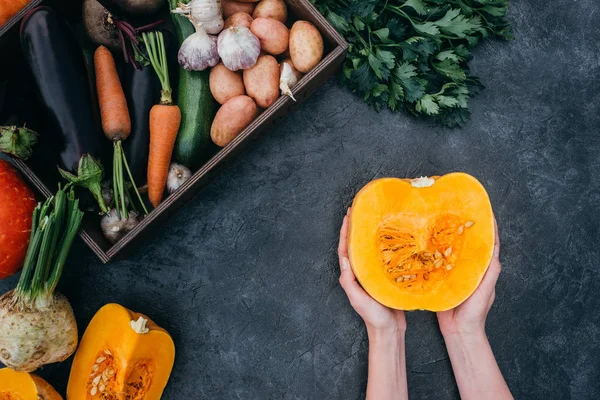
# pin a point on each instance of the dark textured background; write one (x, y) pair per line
(245, 276)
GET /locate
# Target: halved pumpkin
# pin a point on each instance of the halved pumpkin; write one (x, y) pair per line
(421, 244)
(25, 386)
(122, 355)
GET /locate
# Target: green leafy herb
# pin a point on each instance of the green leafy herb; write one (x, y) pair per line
(414, 54)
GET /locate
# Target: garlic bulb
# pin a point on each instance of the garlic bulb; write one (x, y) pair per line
(114, 228)
(209, 13)
(238, 48)
(288, 79)
(178, 174)
(198, 51)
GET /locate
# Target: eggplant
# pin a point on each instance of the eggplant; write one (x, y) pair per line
(63, 85)
(142, 91)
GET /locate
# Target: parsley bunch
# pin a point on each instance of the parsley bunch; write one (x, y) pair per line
(414, 54)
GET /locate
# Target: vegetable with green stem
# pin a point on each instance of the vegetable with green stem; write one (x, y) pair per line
(37, 325)
(165, 119)
(116, 124)
(414, 54)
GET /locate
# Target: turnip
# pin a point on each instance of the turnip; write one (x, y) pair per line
(37, 325)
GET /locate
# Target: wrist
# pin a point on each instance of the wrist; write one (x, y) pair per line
(384, 335)
(466, 340)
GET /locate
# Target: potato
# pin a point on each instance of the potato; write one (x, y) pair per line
(231, 119)
(238, 19)
(273, 35)
(306, 46)
(262, 81)
(271, 9)
(231, 7)
(225, 84)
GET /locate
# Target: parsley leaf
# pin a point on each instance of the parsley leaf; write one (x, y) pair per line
(414, 54)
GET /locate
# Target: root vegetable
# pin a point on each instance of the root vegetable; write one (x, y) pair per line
(231, 7)
(231, 119)
(114, 227)
(165, 119)
(273, 35)
(99, 25)
(306, 46)
(271, 9)
(225, 84)
(238, 19)
(262, 81)
(37, 325)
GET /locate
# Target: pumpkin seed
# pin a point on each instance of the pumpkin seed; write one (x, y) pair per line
(96, 380)
(107, 352)
(438, 263)
(449, 267)
(100, 359)
(102, 388)
(95, 367)
(469, 224)
(438, 254)
(448, 251)
(94, 391)
(461, 229)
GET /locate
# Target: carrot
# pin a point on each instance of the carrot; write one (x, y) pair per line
(111, 98)
(116, 124)
(164, 124)
(164, 121)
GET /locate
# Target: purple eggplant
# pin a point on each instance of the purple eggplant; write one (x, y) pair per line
(62, 80)
(142, 91)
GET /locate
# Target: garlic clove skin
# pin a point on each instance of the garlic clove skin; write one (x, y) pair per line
(178, 174)
(198, 51)
(238, 48)
(287, 80)
(209, 13)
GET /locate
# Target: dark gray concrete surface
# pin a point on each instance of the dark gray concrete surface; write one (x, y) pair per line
(245, 277)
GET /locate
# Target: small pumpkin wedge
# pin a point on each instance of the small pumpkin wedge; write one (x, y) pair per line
(25, 386)
(421, 244)
(122, 355)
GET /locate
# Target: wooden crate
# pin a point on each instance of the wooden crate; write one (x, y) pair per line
(335, 49)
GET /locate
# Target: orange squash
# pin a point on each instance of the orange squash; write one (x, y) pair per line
(24, 386)
(421, 244)
(122, 355)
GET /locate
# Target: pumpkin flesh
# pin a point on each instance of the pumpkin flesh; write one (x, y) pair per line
(24, 386)
(428, 247)
(114, 361)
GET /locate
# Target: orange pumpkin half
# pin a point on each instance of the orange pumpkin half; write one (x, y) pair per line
(122, 355)
(421, 244)
(24, 386)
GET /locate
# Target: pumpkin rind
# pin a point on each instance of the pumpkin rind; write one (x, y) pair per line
(25, 386)
(115, 359)
(417, 225)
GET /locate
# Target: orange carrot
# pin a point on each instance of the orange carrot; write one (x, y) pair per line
(111, 99)
(164, 120)
(116, 124)
(164, 124)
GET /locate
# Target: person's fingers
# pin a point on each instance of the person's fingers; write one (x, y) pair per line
(488, 283)
(343, 244)
(496, 240)
(355, 293)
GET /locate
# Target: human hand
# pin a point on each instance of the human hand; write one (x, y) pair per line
(469, 317)
(378, 318)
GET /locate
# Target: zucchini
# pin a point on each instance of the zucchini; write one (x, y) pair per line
(194, 145)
